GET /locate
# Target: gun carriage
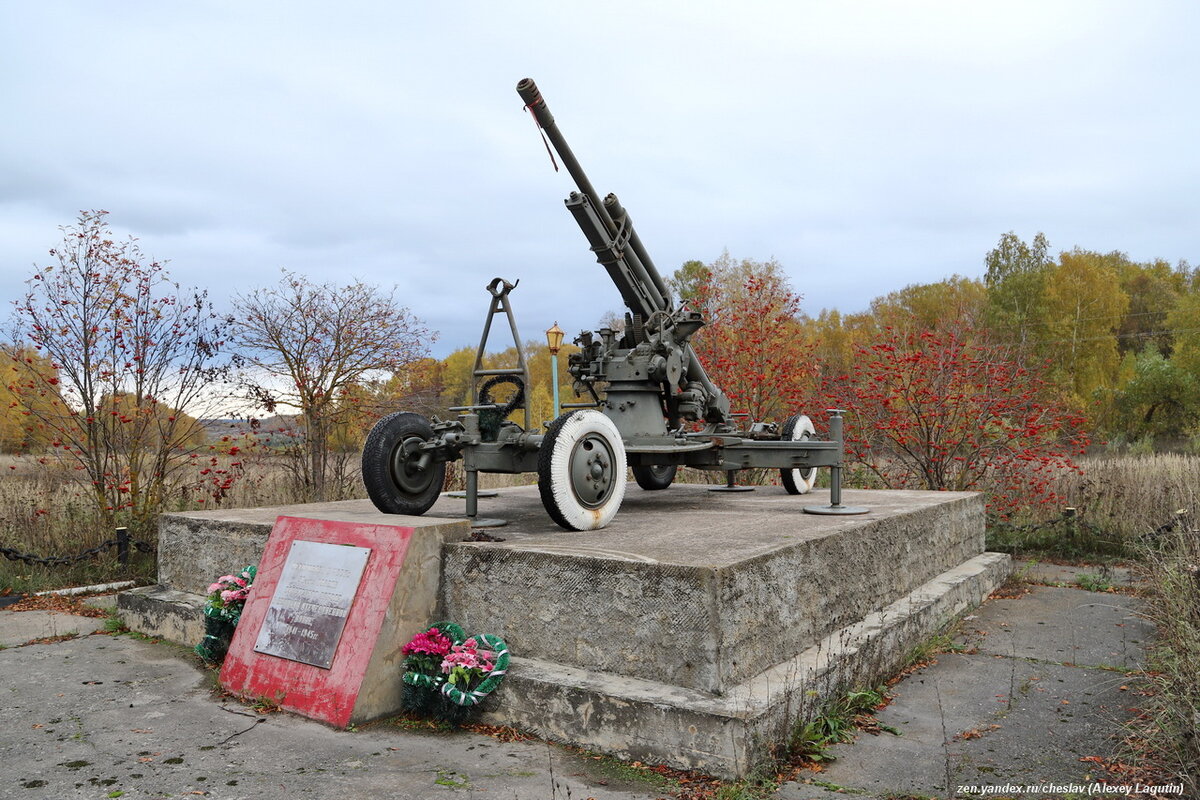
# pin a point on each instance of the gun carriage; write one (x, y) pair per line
(651, 406)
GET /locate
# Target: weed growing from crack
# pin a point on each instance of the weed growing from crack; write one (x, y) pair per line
(837, 723)
(1092, 582)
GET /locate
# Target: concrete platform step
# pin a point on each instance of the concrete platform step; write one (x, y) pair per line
(656, 722)
(163, 613)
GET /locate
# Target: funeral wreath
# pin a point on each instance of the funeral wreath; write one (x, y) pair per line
(447, 673)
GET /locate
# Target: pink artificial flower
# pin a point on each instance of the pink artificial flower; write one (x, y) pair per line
(468, 658)
(214, 587)
(240, 581)
(430, 642)
(227, 596)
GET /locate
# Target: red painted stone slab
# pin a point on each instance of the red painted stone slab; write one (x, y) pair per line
(329, 695)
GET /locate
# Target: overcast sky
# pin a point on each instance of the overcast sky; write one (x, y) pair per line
(865, 145)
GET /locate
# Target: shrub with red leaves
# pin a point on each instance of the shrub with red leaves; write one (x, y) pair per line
(932, 411)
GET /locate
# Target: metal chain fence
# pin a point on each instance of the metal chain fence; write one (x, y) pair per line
(122, 543)
(1071, 523)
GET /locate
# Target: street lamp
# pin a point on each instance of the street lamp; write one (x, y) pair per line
(554, 338)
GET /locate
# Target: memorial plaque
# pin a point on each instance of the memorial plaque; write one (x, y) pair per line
(311, 602)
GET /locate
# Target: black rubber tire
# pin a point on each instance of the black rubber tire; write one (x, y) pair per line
(655, 477)
(797, 481)
(570, 445)
(393, 488)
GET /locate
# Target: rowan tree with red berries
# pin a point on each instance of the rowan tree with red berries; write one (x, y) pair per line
(119, 351)
(751, 345)
(935, 411)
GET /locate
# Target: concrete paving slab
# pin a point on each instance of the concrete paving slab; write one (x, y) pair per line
(1070, 626)
(977, 720)
(1004, 713)
(19, 627)
(92, 716)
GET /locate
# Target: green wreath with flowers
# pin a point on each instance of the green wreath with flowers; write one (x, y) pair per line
(447, 673)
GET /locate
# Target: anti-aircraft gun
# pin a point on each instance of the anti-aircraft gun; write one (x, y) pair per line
(652, 406)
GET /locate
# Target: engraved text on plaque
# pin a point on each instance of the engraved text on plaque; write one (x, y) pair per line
(309, 608)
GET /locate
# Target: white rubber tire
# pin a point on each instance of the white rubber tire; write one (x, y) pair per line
(798, 481)
(576, 446)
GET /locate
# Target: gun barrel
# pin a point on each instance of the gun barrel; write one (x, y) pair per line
(529, 92)
(609, 231)
(610, 212)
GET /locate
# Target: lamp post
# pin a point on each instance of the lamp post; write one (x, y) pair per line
(554, 338)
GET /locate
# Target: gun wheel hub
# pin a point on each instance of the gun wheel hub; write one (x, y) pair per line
(591, 471)
(406, 472)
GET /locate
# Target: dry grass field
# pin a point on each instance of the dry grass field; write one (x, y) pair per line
(43, 512)
(1110, 510)
(1119, 503)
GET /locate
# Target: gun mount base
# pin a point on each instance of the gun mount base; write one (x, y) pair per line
(835, 510)
(731, 484)
(487, 522)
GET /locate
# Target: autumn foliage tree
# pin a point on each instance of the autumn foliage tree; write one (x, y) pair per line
(752, 345)
(1016, 282)
(929, 411)
(311, 348)
(19, 410)
(118, 352)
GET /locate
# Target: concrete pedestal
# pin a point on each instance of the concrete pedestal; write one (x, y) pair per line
(693, 631)
(195, 548)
